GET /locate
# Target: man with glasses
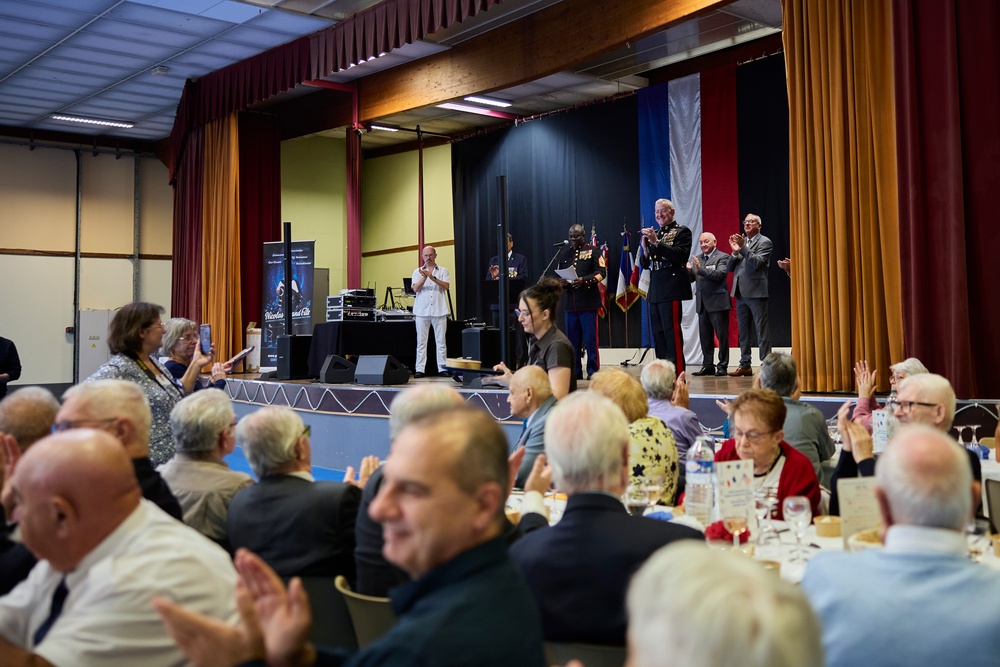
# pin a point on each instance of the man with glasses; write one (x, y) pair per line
(926, 399)
(299, 526)
(748, 264)
(122, 409)
(430, 308)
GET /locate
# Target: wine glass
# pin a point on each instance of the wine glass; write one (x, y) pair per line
(654, 489)
(767, 537)
(798, 515)
(974, 443)
(736, 523)
(636, 497)
(978, 539)
(960, 429)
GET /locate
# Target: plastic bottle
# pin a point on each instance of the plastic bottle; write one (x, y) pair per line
(700, 484)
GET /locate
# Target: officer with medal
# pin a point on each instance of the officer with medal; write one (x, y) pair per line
(582, 298)
(664, 251)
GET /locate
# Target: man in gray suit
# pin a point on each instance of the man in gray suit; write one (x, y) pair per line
(751, 255)
(711, 303)
(531, 399)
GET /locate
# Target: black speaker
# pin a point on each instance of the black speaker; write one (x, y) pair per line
(337, 370)
(484, 345)
(293, 357)
(380, 369)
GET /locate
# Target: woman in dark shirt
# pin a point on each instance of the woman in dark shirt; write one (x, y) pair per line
(180, 342)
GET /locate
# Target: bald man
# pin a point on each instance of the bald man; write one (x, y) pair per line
(430, 309)
(530, 399)
(712, 303)
(103, 552)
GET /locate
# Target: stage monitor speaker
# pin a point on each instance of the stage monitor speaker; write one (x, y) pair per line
(337, 370)
(380, 369)
(293, 357)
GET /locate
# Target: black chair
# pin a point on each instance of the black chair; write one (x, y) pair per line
(592, 655)
(331, 621)
(993, 502)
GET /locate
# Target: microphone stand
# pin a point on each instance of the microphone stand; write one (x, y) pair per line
(549, 265)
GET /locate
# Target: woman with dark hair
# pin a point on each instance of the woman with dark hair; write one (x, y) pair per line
(547, 346)
(179, 344)
(135, 335)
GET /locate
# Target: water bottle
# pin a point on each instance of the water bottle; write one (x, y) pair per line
(700, 494)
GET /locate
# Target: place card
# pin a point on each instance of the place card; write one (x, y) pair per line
(883, 428)
(858, 506)
(735, 488)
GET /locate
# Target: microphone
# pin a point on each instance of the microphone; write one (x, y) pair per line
(556, 245)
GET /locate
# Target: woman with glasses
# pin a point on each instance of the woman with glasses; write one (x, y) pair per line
(134, 337)
(757, 417)
(180, 342)
(867, 381)
(547, 346)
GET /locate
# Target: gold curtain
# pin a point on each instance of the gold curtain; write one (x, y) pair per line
(220, 255)
(844, 222)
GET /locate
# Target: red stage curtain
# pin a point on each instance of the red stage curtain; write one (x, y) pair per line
(948, 136)
(260, 203)
(185, 300)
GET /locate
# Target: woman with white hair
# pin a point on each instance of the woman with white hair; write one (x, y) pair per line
(867, 381)
(180, 341)
(690, 606)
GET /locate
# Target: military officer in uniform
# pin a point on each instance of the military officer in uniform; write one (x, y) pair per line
(582, 298)
(665, 250)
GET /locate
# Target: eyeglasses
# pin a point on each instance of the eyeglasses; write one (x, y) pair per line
(518, 312)
(187, 338)
(744, 222)
(753, 437)
(59, 427)
(906, 406)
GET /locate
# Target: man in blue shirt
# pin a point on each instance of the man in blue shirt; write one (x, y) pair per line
(920, 600)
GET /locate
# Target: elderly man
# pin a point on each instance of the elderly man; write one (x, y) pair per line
(441, 507)
(805, 427)
(664, 251)
(579, 568)
(299, 526)
(203, 427)
(582, 298)
(26, 416)
(712, 304)
(918, 601)
(104, 552)
(530, 399)
(740, 613)
(927, 399)
(375, 575)
(748, 264)
(121, 408)
(430, 308)
(667, 397)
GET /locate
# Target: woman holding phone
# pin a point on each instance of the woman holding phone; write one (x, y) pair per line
(134, 338)
(180, 342)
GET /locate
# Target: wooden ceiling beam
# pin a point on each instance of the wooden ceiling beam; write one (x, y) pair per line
(555, 39)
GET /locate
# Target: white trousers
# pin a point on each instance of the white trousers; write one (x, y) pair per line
(424, 324)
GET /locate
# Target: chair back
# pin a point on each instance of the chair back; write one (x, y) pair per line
(331, 620)
(993, 502)
(591, 655)
(372, 617)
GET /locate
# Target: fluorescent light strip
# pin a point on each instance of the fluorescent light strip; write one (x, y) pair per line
(93, 121)
(454, 106)
(384, 128)
(488, 101)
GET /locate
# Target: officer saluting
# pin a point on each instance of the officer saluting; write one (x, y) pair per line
(665, 251)
(582, 298)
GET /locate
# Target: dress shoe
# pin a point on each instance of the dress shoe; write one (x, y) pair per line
(721, 371)
(705, 370)
(444, 374)
(741, 372)
(418, 375)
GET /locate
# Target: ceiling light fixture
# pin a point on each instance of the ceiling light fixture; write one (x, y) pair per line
(159, 70)
(384, 128)
(93, 121)
(488, 101)
(477, 110)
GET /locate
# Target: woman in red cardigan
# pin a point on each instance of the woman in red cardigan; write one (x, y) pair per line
(758, 416)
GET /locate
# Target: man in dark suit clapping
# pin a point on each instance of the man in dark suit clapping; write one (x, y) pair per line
(712, 303)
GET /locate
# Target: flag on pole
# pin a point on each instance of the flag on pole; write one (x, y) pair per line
(602, 286)
(626, 294)
(640, 276)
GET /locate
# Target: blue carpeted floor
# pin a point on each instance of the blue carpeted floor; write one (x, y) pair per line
(237, 461)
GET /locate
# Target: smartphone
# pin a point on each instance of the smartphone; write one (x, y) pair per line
(205, 332)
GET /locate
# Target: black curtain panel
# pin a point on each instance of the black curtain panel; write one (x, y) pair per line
(762, 136)
(576, 167)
